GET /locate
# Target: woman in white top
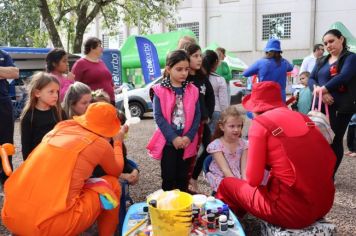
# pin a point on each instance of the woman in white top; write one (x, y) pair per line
(210, 63)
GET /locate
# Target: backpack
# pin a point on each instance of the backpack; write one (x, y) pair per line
(346, 102)
(321, 120)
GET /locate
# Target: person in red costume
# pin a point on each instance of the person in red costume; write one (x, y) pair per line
(300, 188)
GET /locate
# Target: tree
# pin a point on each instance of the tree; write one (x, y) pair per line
(75, 15)
(20, 24)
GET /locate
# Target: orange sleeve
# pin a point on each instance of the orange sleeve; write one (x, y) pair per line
(113, 166)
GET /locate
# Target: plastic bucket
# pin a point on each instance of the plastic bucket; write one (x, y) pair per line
(176, 221)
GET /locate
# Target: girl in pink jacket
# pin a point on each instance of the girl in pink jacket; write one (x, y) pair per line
(57, 65)
(177, 114)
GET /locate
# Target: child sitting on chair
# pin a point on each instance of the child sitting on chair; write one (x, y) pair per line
(130, 173)
(228, 149)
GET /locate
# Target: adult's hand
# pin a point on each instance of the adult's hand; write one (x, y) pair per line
(328, 99)
(9, 72)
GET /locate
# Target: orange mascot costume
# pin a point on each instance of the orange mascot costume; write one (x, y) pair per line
(46, 195)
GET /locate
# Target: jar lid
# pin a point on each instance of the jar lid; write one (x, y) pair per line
(222, 218)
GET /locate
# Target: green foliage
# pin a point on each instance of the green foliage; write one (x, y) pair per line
(20, 24)
(21, 19)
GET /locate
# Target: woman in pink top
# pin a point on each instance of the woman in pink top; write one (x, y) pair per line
(92, 71)
(57, 65)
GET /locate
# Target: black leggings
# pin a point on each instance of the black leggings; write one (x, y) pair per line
(6, 130)
(174, 170)
(351, 138)
(339, 123)
(200, 160)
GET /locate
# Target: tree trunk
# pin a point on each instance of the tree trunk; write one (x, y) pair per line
(48, 20)
(78, 38)
(82, 23)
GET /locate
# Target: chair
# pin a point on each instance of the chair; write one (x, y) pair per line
(206, 164)
(125, 197)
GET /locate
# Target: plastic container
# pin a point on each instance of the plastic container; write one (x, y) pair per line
(178, 216)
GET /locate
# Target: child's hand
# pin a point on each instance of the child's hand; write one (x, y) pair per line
(132, 177)
(70, 76)
(186, 141)
(178, 143)
(121, 134)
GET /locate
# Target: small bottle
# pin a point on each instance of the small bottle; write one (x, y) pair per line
(195, 217)
(226, 210)
(153, 203)
(223, 226)
(216, 214)
(230, 224)
(211, 222)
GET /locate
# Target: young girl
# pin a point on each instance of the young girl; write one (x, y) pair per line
(57, 65)
(229, 151)
(41, 112)
(77, 99)
(210, 63)
(177, 114)
(207, 105)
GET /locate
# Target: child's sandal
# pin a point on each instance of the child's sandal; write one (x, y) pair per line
(353, 154)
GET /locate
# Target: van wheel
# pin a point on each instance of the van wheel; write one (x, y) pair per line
(136, 109)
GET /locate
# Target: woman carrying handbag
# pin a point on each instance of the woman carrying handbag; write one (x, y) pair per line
(334, 76)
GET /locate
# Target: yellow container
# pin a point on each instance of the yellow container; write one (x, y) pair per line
(175, 220)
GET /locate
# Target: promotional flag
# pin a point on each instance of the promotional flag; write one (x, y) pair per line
(112, 60)
(148, 58)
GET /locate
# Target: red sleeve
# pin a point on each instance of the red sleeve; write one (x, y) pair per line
(257, 154)
(77, 70)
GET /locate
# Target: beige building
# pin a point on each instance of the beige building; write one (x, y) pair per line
(244, 26)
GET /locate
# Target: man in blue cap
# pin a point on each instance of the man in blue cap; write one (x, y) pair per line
(273, 67)
(7, 71)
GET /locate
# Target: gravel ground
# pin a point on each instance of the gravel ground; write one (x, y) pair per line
(343, 213)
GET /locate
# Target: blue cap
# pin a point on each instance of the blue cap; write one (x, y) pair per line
(273, 45)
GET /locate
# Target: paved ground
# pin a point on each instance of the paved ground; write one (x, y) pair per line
(343, 213)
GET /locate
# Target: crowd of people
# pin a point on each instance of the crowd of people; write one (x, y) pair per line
(73, 137)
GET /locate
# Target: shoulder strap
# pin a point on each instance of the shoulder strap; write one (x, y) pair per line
(269, 125)
(277, 130)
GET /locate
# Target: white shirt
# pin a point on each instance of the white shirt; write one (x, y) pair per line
(308, 64)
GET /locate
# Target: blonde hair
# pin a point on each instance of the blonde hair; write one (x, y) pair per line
(38, 82)
(230, 111)
(74, 93)
(100, 95)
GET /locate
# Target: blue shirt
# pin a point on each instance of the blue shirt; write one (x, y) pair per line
(332, 83)
(5, 61)
(171, 131)
(267, 69)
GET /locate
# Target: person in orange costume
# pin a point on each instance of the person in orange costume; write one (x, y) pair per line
(46, 195)
(300, 187)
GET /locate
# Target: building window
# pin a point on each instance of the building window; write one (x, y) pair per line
(193, 26)
(227, 1)
(276, 26)
(105, 41)
(121, 38)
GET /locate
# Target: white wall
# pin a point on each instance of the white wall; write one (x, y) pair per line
(330, 11)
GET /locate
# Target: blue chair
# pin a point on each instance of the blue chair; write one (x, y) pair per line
(206, 164)
(125, 197)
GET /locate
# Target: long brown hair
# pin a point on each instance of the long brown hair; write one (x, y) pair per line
(38, 82)
(230, 111)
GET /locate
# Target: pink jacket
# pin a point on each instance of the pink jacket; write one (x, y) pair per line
(64, 84)
(158, 141)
